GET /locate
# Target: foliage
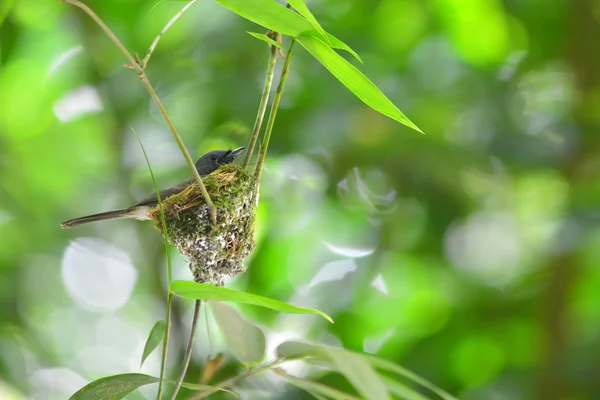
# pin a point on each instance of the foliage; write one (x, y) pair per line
(468, 255)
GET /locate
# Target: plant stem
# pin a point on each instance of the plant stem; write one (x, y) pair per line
(163, 360)
(233, 380)
(207, 199)
(262, 107)
(160, 35)
(169, 270)
(140, 72)
(188, 350)
(273, 113)
(106, 30)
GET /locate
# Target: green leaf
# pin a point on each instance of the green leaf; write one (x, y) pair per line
(350, 364)
(353, 79)
(315, 387)
(265, 38)
(276, 17)
(305, 12)
(402, 391)
(338, 44)
(118, 386)
(200, 387)
(244, 340)
(298, 350)
(113, 387)
(359, 373)
(270, 14)
(294, 350)
(202, 291)
(393, 367)
(157, 334)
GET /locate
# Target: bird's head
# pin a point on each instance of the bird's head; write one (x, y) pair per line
(213, 159)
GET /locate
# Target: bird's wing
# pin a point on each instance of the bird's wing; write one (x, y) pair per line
(151, 200)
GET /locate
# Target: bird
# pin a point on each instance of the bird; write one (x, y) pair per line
(206, 164)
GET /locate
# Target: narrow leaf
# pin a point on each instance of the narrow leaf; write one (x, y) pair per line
(244, 340)
(353, 79)
(294, 350)
(359, 373)
(200, 387)
(157, 334)
(338, 44)
(305, 12)
(270, 14)
(402, 391)
(202, 291)
(265, 38)
(113, 387)
(274, 16)
(298, 350)
(315, 387)
(393, 367)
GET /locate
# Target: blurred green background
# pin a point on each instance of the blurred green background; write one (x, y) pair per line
(470, 255)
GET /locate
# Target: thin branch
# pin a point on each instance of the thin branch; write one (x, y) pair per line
(273, 113)
(262, 107)
(188, 351)
(163, 361)
(108, 32)
(163, 111)
(140, 72)
(160, 35)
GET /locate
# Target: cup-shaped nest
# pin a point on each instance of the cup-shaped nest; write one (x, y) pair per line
(214, 251)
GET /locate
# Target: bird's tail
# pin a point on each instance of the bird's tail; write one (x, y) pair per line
(104, 216)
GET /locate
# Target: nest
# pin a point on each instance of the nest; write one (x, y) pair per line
(214, 251)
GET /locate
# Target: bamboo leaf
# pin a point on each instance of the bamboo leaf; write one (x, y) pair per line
(359, 373)
(270, 14)
(118, 386)
(113, 387)
(157, 334)
(202, 291)
(350, 364)
(353, 79)
(338, 44)
(402, 391)
(393, 367)
(316, 387)
(276, 17)
(199, 387)
(305, 12)
(265, 38)
(323, 354)
(244, 340)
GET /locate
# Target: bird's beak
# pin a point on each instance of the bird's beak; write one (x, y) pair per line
(230, 156)
(236, 152)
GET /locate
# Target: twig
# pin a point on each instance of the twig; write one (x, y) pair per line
(140, 73)
(273, 113)
(160, 35)
(188, 350)
(163, 361)
(262, 107)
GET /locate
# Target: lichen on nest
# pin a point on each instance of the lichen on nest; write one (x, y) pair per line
(214, 251)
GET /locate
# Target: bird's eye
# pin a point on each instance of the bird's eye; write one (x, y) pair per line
(213, 158)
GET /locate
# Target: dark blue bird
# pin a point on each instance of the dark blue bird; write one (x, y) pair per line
(205, 165)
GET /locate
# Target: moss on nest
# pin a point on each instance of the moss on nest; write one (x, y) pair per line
(214, 251)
